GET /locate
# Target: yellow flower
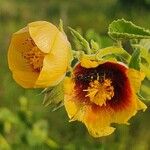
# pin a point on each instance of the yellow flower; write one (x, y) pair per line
(38, 55)
(101, 93)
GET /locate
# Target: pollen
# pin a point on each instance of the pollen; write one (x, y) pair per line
(100, 92)
(33, 57)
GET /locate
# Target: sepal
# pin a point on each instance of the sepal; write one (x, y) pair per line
(54, 96)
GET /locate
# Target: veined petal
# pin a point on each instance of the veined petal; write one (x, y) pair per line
(98, 120)
(72, 106)
(126, 111)
(43, 34)
(68, 86)
(16, 47)
(22, 72)
(74, 109)
(55, 63)
(135, 78)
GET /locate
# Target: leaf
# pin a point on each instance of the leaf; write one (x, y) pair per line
(135, 60)
(84, 43)
(54, 96)
(113, 52)
(145, 43)
(145, 88)
(141, 97)
(144, 47)
(94, 46)
(145, 62)
(122, 29)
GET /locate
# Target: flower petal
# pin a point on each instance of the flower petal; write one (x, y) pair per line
(87, 63)
(119, 109)
(73, 107)
(135, 78)
(125, 112)
(55, 63)
(21, 71)
(98, 121)
(25, 79)
(43, 34)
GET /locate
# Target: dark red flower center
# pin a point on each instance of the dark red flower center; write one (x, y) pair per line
(110, 84)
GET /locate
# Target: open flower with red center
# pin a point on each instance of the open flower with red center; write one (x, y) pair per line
(101, 93)
(38, 55)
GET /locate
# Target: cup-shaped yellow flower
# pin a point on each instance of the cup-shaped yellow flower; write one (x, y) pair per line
(101, 93)
(38, 55)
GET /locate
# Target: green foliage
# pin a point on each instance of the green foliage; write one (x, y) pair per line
(20, 121)
(84, 43)
(30, 132)
(145, 88)
(115, 52)
(145, 43)
(121, 29)
(135, 60)
(54, 96)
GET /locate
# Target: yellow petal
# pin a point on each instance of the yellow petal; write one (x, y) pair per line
(22, 72)
(68, 86)
(124, 113)
(25, 78)
(98, 121)
(55, 63)
(43, 34)
(87, 63)
(73, 108)
(135, 78)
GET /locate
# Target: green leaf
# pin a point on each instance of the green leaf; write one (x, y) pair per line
(144, 46)
(145, 88)
(94, 46)
(135, 60)
(122, 29)
(84, 43)
(113, 52)
(145, 62)
(145, 43)
(141, 97)
(54, 96)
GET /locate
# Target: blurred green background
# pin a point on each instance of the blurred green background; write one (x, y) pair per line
(25, 124)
